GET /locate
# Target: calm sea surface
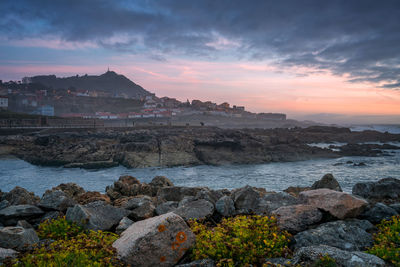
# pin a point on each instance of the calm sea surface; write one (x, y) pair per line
(272, 176)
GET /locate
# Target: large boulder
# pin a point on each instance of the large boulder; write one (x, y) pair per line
(17, 237)
(158, 241)
(141, 207)
(56, 200)
(385, 190)
(161, 181)
(12, 214)
(96, 215)
(310, 255)
(246, 199)
(198, 209)
(349, 235)
(123, 225)
(378, 212)
(20, 196)
(176, 193)
(225, 206)
(297, 218)
(327, 181)
(7, 253)
(166, 207)
(273, 201)
(71, 189)
(339, 204)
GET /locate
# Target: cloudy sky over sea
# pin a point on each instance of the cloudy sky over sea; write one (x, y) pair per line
(300, 57)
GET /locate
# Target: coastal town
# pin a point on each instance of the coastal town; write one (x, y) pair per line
(32, 97)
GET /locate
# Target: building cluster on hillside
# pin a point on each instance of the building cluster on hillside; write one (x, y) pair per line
(38, 99)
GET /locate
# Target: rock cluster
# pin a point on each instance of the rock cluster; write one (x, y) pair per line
(152, 218)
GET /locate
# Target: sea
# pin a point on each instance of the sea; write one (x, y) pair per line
(275, 176)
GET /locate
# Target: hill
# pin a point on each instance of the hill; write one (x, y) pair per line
(109, 82)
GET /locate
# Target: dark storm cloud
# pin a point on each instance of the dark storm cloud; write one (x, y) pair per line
(360, 38)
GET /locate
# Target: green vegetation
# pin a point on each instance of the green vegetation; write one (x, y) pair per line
(72, 246)
(240, 241)
(387, 241)
(325, 261)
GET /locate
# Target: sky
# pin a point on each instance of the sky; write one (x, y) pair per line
(330, 61)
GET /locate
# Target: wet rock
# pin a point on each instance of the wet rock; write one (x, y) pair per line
(158, 241)
(96, 215)
(71, 189)
(386, 190)
(198, 263)
(123, 225)
(361, 164)
(176, 193)
(310, 255)
(92, 164)
(377, 213)
(348, 235)
(327, 181)
(56, 200)
(91, 196)
(198, 209)
(17, 237)
(166, 207)
(225, 206)
(273, 201)
(246, 200)
(161, 181)
(6, 253)
(297, 218)
(12, 214)
(338, 204)
(20, 196)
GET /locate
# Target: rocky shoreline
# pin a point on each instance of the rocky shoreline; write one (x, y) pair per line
(185, 146)
(322, 219)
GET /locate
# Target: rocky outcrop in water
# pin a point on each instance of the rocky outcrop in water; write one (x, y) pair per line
(176, 146)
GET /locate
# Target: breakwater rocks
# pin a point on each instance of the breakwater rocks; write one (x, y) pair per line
(152, 218)
(177, 146)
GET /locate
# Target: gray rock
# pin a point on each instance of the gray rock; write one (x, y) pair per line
(12, 214)
(145, 211)
(161, 181)
(96, 215)
(273, 201)
(278, 262)
(209, 195)
(166, 207)
(176, 193)
(327, 181)
(378, 212)
(348, 235)
(198, 209)
(158, 241)
(7, 253)
(309, 255)
(123, 225)
(339, 204)
(186, 200)
(297, 218)
(56, 200)
(17, 237)
(20, 196)
(246, 200)
(384, 189)
(51, 215)
(24, 224)
(198, 263)
(136, 202)
(225, 206)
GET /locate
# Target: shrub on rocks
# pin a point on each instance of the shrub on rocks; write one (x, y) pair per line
(241, 240)
(387, 241)
(58, 229)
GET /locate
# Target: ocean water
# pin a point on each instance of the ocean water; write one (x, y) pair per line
(271, 176)
(390, 128)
